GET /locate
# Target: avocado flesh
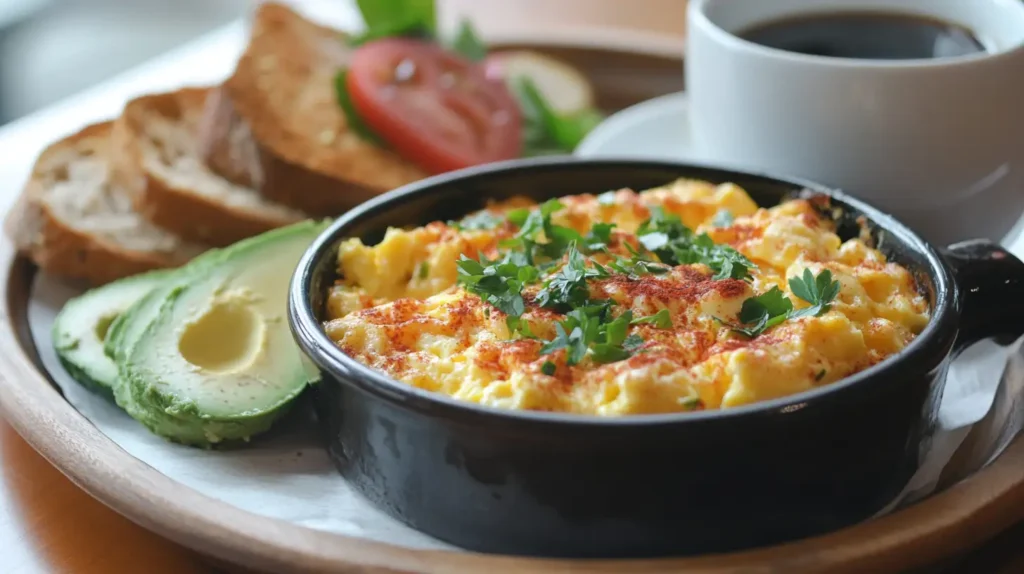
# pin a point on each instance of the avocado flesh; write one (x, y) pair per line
(129, 326)
(83, 323)
(217, 362)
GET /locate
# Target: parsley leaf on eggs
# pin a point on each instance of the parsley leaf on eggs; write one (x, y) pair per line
(768, 309)
(675, 244)
(819, 291)
(499, 283)
(661, 320)
(590, 328)
(531, 224)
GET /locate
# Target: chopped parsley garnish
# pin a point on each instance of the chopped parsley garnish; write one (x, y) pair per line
(572, 335)
(568, 288)
(661, 320)
(588, 328)
(592, 330)
(424, 270)
(636, 266)
(723, 218)
(532, 223)
(821, 375)
(499, 283)
(819, 291)
(691, 402)
(763, 312)
(599, 236)
(768, 309)
(675, 244)
(557, 257)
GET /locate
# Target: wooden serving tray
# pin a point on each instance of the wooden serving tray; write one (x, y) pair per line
(625, 71)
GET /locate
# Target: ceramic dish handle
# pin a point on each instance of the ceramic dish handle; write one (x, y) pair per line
(991, 283)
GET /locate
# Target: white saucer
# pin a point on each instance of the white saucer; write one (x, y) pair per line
(658, 128)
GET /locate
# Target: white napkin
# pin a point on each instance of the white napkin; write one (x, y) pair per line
(284, 475)
(288, 476)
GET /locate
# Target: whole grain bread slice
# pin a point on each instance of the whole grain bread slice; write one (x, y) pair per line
(157, 157)
(73, 221)
(277, 125)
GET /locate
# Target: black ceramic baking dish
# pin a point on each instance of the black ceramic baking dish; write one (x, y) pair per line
(563, 485)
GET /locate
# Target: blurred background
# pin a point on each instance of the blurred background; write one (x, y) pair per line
(51, 49)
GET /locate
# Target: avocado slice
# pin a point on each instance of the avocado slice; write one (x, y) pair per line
(128, 326)
(217, 361)
(83, 323)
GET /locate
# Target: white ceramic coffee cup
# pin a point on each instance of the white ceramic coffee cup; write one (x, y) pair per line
(939, 143)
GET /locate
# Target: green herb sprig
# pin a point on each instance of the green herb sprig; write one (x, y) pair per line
(675, 244)
(592, 331)
(763, 312)
(567, 289)
(534, 222)
(634, 267)
(819, 291)
(499, 283)
(662, 320)
(590, 327)
(760, 313)
(545, 132)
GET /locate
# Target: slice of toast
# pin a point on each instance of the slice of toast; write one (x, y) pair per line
(74, 222)
(157, 157)
(278, 126)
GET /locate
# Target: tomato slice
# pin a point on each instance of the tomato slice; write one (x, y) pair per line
(434, 107)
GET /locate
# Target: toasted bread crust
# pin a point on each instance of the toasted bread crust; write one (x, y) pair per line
(66, 252)
(174, 200)
(226, 143)
(282, 91)
(59, 248)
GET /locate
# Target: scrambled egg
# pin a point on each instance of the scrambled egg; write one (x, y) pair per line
(400, 309)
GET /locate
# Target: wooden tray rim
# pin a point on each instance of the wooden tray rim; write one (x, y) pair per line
(952, 521)
(604, 38)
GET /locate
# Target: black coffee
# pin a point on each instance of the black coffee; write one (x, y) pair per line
(866, 35)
